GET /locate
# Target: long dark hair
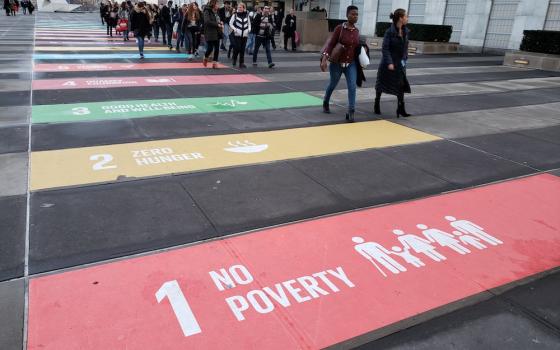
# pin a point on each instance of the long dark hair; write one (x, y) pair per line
(398, 14)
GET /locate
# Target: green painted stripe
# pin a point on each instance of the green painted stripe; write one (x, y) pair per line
(112, 110)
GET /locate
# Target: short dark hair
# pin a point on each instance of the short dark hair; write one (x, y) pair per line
(350, 8)
(227, 3)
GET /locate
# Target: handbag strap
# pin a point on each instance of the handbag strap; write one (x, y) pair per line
(340, 34)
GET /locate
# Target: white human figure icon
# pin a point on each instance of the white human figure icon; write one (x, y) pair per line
(419, 245)
(470, 227)
(469, 240)
(409, 258)
(442, 238)
(375, 251)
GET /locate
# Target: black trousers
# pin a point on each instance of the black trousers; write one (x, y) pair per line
(291, 35)
(213, 45)
(239, 49)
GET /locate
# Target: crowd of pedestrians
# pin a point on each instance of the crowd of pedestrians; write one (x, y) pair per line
(236, 31)
(12, 7)
(246, 31)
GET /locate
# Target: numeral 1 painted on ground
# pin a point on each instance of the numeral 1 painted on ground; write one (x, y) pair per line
(180, 306)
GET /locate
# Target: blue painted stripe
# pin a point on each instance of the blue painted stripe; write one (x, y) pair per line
(98, 56)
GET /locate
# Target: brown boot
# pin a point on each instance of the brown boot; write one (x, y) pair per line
(205, 62)
(214, 65)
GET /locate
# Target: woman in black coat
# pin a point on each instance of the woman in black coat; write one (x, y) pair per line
(213, 30)
(391, 74)
(140, 25)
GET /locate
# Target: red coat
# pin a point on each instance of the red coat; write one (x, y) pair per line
(349, 38)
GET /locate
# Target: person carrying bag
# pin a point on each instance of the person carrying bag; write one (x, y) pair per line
(341, 51)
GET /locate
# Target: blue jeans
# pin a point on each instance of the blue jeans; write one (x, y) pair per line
(140, 40)
(225, 36)
(260, 40)
(250, 43)
(351, 74)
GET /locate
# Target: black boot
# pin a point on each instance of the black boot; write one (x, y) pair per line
(377, 107)
(326, 108)
(350, 116)
(401, 110)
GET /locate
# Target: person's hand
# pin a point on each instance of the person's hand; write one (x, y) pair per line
(391, 67)
(324, 64)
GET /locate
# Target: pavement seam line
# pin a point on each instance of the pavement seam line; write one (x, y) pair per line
(28, 204)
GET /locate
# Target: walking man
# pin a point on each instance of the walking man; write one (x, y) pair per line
(263, 30)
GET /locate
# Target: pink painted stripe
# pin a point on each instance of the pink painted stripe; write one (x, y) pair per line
(81, 39)
(115, 82)
(53, 67)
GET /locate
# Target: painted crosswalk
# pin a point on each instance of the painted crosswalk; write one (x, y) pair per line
(117, 162)
(129, 156)
(111, 110)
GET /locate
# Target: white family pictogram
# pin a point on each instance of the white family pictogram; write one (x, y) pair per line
(466, 233)
(245, 147)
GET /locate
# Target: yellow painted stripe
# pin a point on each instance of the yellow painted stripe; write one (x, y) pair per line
(95, 48)
(100, 164)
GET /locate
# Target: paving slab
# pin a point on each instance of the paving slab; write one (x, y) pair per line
(58, 136)
(13, 172)
(12, 236)
(78, 226)
(539, 298)
(492, 324)
(14, 98)
(370, 177)
(68, 135)
(455, 163)
(549, 134)
(14, 115)
(14, 85)
(522, 149)
(245, 198)
(490, 121)
(11, 309)
(463, 103)
(14, 139)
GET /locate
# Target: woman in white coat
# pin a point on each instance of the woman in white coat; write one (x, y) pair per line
(241, 27)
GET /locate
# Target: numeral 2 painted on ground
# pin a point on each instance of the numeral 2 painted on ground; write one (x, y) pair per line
(102, 161)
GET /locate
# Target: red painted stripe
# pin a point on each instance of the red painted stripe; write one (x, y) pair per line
(114, 82)
(52, 67)
(114, 306)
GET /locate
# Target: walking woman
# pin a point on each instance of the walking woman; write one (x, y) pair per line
(213, 30)
(157, 22)
(341, 51)
(241, 26)
(112, 18)
(391, 74)
(124, 14)
(140, 25)
(193, 23)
